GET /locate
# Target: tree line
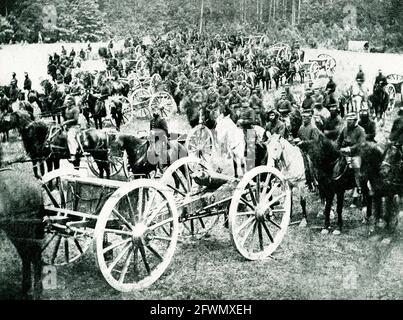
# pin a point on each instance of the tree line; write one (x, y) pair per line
(329, 23)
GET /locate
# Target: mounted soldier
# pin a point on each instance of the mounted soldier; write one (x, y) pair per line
(367, 124)
(333, 125)
(71, 117)
(274, 125)
(349, 142)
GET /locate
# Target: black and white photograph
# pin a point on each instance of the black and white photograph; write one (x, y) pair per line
(200, 150)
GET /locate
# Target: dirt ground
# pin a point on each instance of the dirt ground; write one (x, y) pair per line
(307, 265)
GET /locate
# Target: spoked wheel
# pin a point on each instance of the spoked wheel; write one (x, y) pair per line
(314, 69)
(129, 174)
(187, 193)
(65, 240)
(391, 91)
(115, 165)
(330, 64)
(200, 143)
(134, 82)
(140, 221)
(127, 111)
(140, 103)
(259, 213)
(164, 102)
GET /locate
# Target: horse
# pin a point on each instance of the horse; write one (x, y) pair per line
(383, 169)
(334, 177)
(380, 103)
(289, 160)
(96, 107)
(233, 142)
(150, 155)
(99, 143)
(47, 143)
(21, 215)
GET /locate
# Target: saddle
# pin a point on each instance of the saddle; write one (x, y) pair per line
(339, 168)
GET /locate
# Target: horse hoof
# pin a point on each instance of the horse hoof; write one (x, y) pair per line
(303, 223)
(325, 231)
(337, 232)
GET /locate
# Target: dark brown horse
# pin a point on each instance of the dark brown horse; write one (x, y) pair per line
(21, 215)
(383, 168)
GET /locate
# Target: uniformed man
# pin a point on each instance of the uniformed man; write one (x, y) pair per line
(274, 125)
(71, 124)
(319, 111)
(13, 88)
(380, 80)
(367, 124)
(283, 106)
(396, 134)
(289, 96)
(59, 77)
(349, 142)
(4, 103)
(245, 121)
(308, 102)
(360, 77)
(307, 134)
(331, 86)
(257, 105)
(27, 84)
(333, 125)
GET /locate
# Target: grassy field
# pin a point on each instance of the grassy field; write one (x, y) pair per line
(307, 265)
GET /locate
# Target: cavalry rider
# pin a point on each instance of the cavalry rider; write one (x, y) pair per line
(319, 111)
(274, 125)
(330, 87)
(27, 84)
(360, 77)
(380, 80)
(13, 88)
(245, 121)
(396, 134)
(283, 106)
(308, 102)
(158, 133)
(359, 95)
(349, 142)
(307, 134)
(333, 125)
(72, 126)
(367, 124)
(257, 105)
(5, 106)
(289, 96)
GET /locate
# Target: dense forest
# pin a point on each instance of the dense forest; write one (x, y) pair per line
(328, 23)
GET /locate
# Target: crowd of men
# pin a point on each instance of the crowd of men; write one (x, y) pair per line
(232, 75)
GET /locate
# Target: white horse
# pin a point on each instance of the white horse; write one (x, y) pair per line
(231, 141)
(291, 164)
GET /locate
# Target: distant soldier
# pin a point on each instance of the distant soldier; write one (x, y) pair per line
(360, 77)
(13, 88)
(333, 125)
(309, 102)
(380, 80)
(367, 124)
(349, 142)
(396, 134)
(71, 117)
(274, 125)
(257, 105)
(27, 84)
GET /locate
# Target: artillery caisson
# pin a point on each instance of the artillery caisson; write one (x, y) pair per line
(135, 226)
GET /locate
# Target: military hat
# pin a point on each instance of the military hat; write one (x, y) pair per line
(351, 116)
(306, 112)
(198, 97)
(332, 103)
(319, 100)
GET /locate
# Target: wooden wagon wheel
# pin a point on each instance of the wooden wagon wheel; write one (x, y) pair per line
(179, 178)
(140, 102)
(62, 245)
(330, 63)
(314, 69)
(200, 143)
(141, 223)
(259, 213)
(164, 102)
(129, 174)
(391, 91)
(134, 82)
(115, 163)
